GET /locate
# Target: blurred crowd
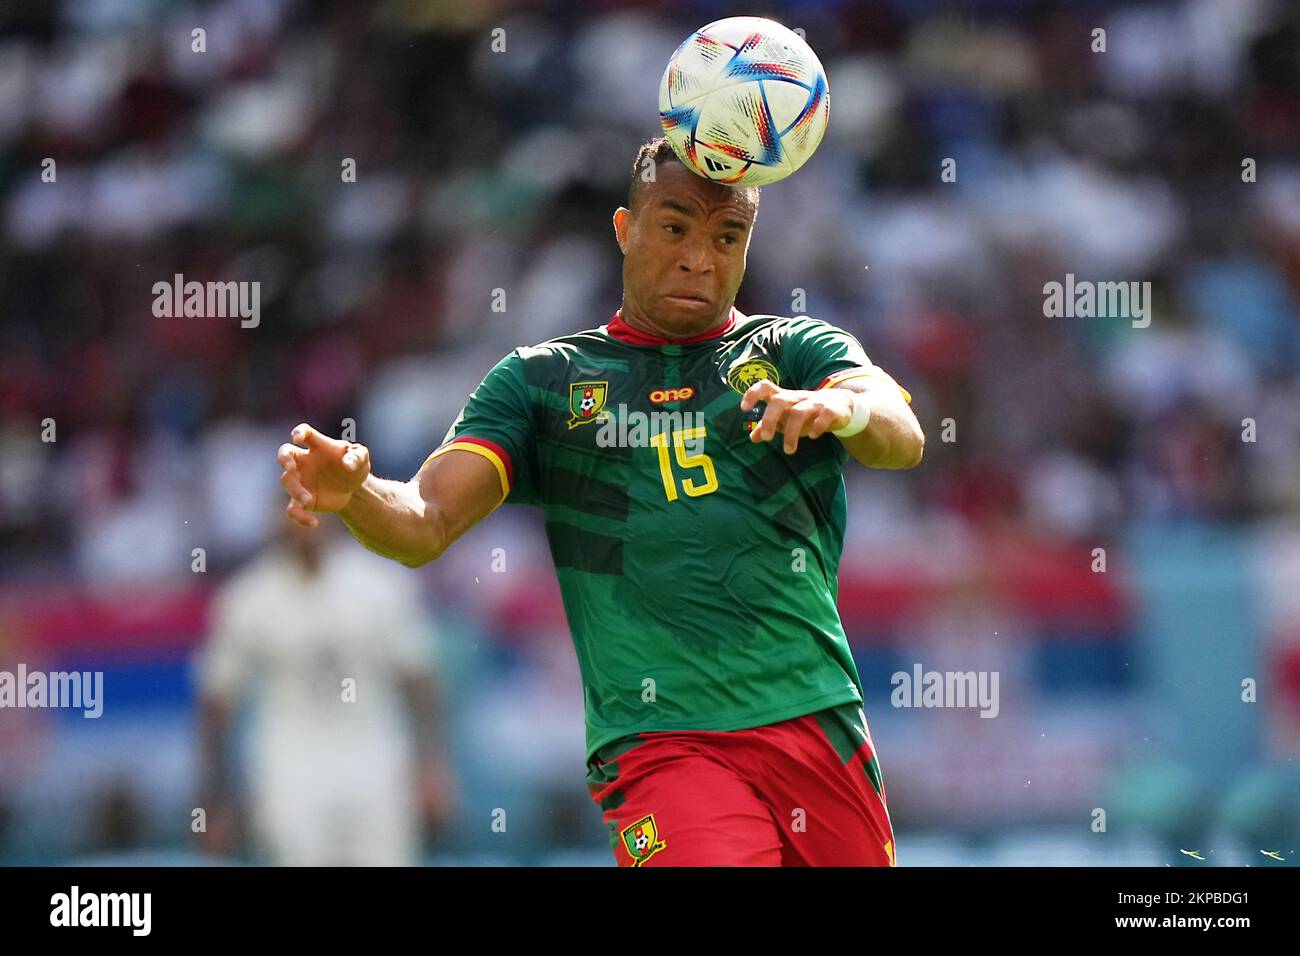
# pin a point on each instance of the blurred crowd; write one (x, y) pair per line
(491, 143)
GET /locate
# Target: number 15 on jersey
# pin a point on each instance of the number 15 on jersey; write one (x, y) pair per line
(691, 484)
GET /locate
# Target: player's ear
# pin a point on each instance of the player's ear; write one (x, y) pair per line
(622, 221)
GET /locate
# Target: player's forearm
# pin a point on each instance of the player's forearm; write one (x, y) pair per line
(893, 437)
(391, 519)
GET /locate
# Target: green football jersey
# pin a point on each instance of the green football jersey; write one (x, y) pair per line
(698, 569)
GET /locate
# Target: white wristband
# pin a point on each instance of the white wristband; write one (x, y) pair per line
(861, 416)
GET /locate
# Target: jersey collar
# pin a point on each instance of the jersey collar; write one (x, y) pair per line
(618, 329)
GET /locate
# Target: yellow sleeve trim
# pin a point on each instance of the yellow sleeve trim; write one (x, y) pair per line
(835, 380)
(478, 450)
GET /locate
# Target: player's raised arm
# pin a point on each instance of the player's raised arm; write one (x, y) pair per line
(829, 385)
(890, 435)
(409, 521)
(866, 409)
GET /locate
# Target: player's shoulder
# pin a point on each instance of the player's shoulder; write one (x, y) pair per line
(563, 347)
(258, 575)
(807, 323)
(783, 326)
(596, 342)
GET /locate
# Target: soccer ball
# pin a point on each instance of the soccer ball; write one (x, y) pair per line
(744, 101)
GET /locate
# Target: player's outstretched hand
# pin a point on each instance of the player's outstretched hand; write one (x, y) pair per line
(797, 413)
(320, 473)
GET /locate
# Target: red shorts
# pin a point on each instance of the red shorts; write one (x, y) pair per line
(802, 792)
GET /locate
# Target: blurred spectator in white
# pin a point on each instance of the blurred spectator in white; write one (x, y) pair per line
(346, 746)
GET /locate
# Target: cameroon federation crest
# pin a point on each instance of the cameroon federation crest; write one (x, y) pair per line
(642, 839)
(586, 399)
(744, 374)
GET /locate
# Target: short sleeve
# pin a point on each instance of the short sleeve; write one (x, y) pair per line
(816, 354)
(497, 424)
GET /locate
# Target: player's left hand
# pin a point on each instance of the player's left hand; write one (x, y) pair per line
(797, 413)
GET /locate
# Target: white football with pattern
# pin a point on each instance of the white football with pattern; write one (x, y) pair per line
(744, 101)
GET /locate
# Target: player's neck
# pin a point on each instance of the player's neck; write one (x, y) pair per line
(630, 326)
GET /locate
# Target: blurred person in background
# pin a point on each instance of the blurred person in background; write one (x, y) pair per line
(346, 746)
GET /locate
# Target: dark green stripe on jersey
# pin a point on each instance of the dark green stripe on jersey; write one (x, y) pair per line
(573, 547)
(589, 494)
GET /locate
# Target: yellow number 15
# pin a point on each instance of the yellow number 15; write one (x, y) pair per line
(701, 460)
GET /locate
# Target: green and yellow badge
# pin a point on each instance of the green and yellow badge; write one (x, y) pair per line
(642, 839)
(744, 374)
(586, 399)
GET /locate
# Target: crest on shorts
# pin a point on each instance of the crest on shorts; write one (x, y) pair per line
(642, 839)
(586, 399)
(746, 373)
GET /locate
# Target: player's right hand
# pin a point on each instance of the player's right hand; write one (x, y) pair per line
(320, 473)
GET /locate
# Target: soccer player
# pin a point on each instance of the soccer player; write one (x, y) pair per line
(688, 461)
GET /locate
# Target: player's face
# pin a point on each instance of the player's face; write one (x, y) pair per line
(683, 252)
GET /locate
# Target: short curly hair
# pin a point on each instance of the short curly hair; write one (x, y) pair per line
(658, 151)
